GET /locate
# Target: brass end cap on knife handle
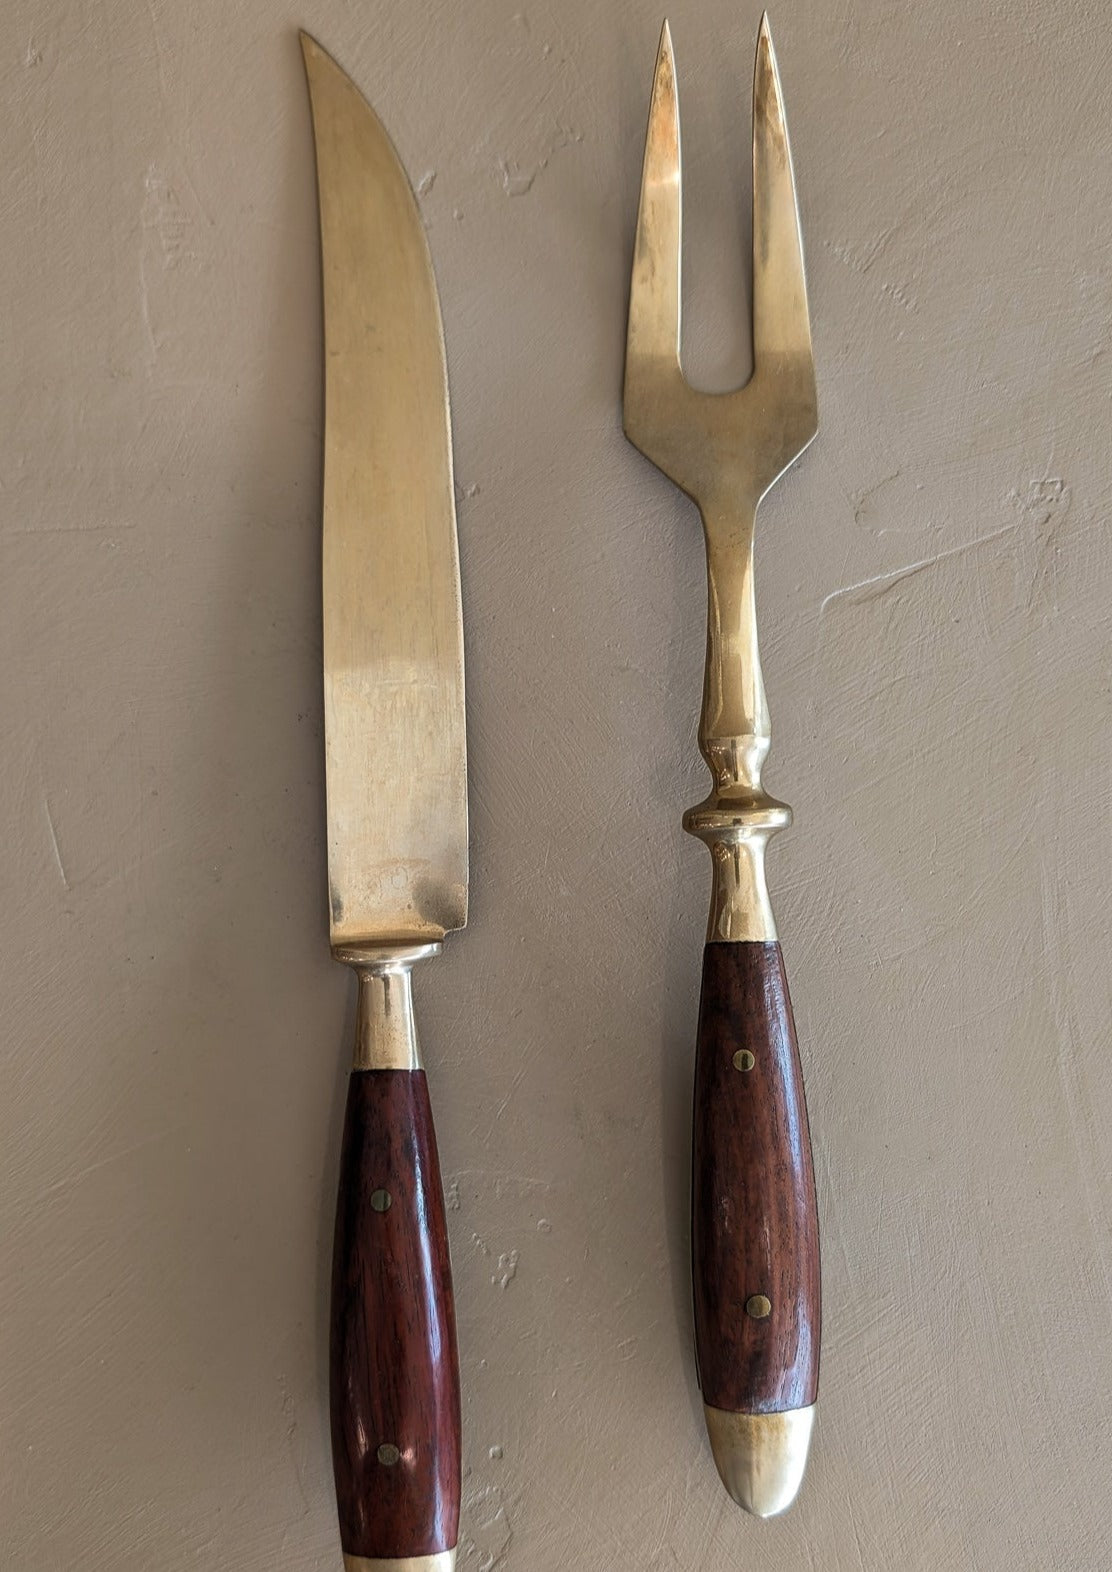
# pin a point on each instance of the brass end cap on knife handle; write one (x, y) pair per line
(385, 1027)
(761, 1458)
(443, 1561)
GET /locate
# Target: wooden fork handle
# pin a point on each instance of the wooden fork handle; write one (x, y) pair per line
(755, 1253)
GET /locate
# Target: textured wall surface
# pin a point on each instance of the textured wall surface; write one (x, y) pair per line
(934, 582)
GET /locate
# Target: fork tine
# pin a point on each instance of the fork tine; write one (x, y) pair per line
(781, 320)
(654, 299)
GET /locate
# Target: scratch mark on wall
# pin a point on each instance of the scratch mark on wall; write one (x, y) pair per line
(862, 497)
(505, 1184)
(116, 527)
(289, 1411)
(145, 313)
(54, 841)
(1084, 1119)
(860, 258)
(901, 295)
(87, 1169)
(883, 582)
(168, 226)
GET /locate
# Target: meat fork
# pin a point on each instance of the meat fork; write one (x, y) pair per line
(755, 1257)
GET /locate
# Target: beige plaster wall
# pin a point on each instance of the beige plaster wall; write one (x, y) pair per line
(934, 584)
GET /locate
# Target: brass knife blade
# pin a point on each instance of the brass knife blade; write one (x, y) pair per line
(395, 745)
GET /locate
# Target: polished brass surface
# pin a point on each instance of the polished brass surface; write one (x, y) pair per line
(725, 451)
(385, 1028)
(761, 1458)
(393, 644)
(443, 1561)
(758, 1306)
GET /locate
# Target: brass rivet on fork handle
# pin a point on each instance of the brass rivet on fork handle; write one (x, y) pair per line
(753, 1202)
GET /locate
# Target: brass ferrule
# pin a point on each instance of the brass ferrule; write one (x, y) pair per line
(439, 1561)
(385, 1028)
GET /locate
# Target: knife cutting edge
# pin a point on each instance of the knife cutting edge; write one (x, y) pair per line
(396, 782)
(754, 1224)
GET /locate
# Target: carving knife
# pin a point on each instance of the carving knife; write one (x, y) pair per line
(397, 830)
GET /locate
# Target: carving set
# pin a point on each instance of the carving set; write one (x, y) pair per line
(396, 778)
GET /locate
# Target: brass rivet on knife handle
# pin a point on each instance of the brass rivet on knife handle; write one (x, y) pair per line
(753, 1203)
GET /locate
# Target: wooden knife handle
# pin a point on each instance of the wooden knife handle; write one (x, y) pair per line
(755, 1251)
(394, 1371)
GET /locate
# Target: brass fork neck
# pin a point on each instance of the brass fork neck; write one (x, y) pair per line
(734, 730)
(738, 818)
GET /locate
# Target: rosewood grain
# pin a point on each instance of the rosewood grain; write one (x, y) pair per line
(754, 1220)
(394, 1373)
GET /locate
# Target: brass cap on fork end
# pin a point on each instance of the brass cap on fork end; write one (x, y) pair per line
(761, 1458)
